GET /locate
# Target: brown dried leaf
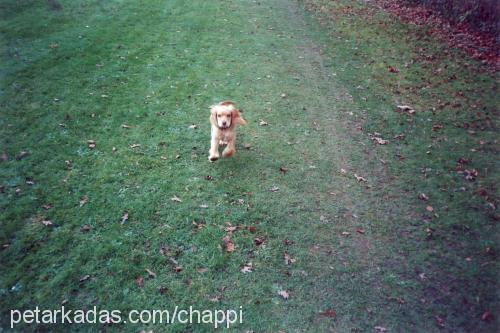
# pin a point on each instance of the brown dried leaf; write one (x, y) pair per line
(329, 313)
(84, 278)
(228, 244)
(405, 108)
(423, 197)
(151, 274)
(125, 217)
(247, 268)
(360, 179)
(288, 260)
(83, 200)
(139, 281)
(283, 169)
(47, 206)
(274, 189)
(258, 241)
(176, 199)
(284, 294)
(22, 155)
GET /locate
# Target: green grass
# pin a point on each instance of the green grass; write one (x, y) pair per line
(81, 73)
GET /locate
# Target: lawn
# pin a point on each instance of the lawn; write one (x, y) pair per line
(342, 214)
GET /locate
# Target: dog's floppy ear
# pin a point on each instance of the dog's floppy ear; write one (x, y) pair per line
(213, 115)
(237, 117)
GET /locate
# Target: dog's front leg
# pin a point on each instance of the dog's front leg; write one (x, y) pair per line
(214, 149)
(230, 149)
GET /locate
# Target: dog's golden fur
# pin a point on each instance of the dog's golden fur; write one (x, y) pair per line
(224, 117)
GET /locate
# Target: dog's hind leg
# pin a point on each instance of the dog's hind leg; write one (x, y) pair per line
(230, 149)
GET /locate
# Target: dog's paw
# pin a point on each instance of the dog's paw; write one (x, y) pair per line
(228, 153)
(213, 158)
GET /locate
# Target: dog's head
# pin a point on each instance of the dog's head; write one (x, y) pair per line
(225, 115)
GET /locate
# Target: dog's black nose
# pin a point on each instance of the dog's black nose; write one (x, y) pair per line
(224, 123)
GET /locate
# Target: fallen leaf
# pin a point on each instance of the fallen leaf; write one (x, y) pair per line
(262, 123)
(83, 200)
(287, 242)
(258, 241)
(84, 278)
(126, 126)
(439, 321)
(437, 127)
(228, 244)
(378, 139)
(163, 290)
(176, 199)
(135, 145)
(486, 316)
(178, 269)
(343, 171)
(85, 228)
(198, 226)
(139, 281)
(284, 294)
(359, 178)
(125, 217)
(283, 170)
(470, 174)
(151, 274)
(288, 260)
(202, 270)
(91, 144)
(393, 69)
(380, 329)
(47, 223)
(247, 145)
(4, 157)
(251, 228)
(230, 229)
(247, 268)
(274, 189)
(423, 197)
(329, 313)
(429, 208)
(345, 233)
(360, 231)
(405, 108)
(29, 181)
(22, 155)
(193, 126)
(47, 206)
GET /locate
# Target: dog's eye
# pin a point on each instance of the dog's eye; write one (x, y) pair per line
(218, 115)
